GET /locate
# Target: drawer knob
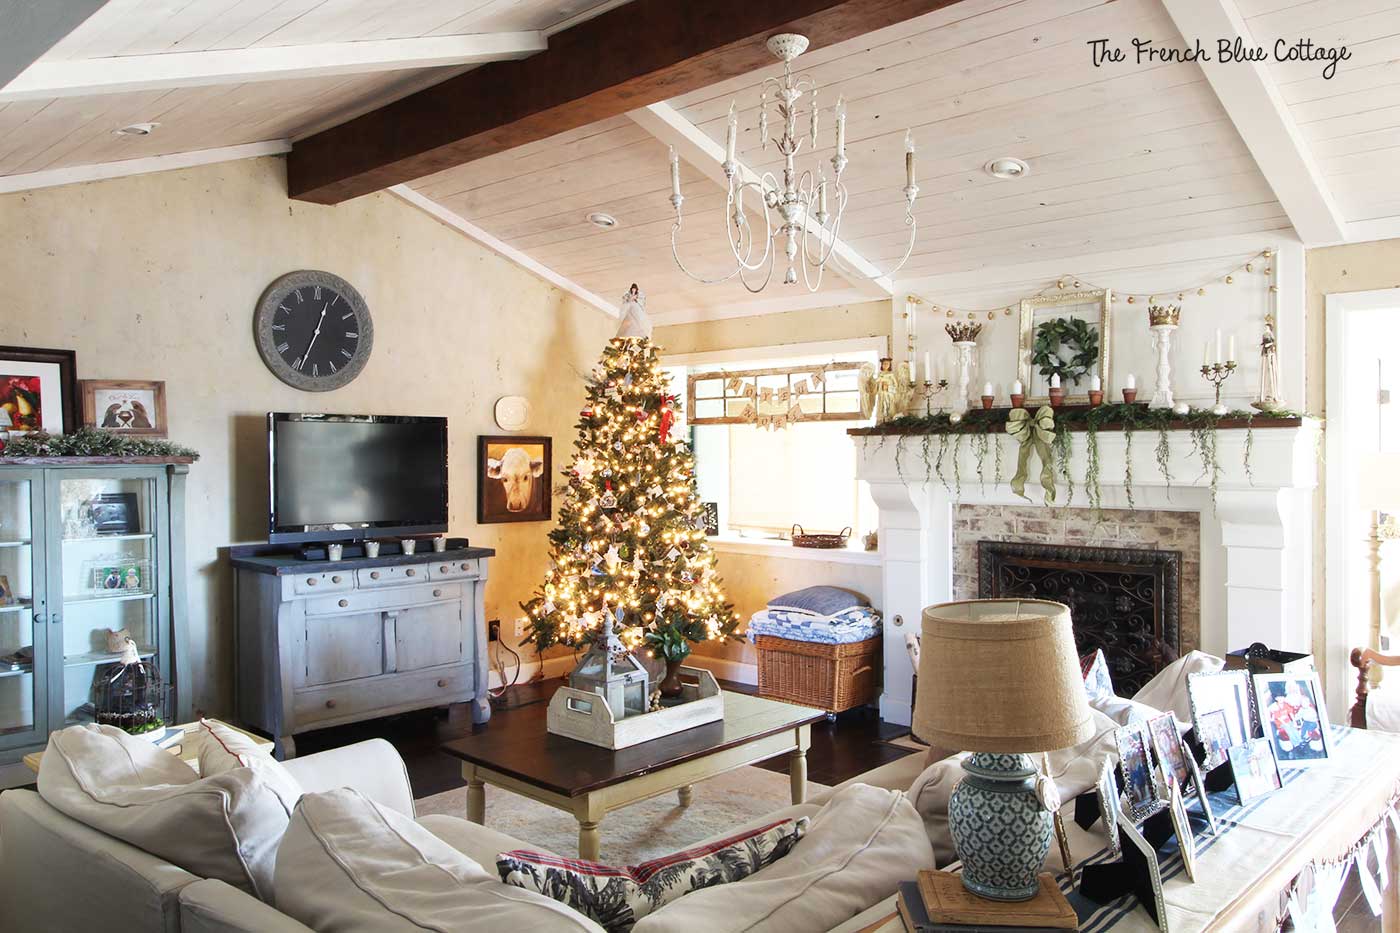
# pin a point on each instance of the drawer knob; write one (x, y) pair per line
(310, 581)
(443, 569)
(335, 579)
(437, 593)
(442, 683)
(330, 704)
(410, 572)
(374, 574)
(464, 566)
(344, 603)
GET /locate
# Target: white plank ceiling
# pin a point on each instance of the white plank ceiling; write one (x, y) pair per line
(1122, 156)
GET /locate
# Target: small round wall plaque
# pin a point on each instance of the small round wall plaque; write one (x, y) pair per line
(512, 412)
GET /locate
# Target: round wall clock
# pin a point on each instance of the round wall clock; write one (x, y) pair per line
(313, 330)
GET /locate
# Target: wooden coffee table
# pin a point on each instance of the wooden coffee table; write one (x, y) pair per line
(588, 782)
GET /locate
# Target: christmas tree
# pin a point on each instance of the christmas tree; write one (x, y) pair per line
(630, 541)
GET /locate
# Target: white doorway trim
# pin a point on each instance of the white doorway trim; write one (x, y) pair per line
(1338, 492)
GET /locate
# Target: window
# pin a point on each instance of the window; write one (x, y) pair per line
(767, 477)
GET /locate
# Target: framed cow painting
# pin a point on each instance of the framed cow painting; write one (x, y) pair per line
(513, 479)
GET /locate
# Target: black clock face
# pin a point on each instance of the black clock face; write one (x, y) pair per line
(313, 330)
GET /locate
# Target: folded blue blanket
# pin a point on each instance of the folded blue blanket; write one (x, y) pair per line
(818, 600)
(846, 630)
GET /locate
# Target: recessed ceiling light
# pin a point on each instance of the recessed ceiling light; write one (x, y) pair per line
(1007, 168)
(136, 129)
(599, 219)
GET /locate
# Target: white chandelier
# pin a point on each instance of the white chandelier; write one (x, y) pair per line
(801, 201)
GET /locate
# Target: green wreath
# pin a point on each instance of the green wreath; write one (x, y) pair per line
(1065, 332)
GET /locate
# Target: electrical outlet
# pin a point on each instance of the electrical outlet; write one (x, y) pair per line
(493, 630)
(519, 629)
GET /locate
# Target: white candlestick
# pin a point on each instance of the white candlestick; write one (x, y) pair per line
(988, 390)
(1231, 357)
(1017, 388)
(928, 367)
(1054, 380)
(731, 138)
(1205, 355)
(1217, 345)
(1131, 382)
(675, 172)
(1095, 384)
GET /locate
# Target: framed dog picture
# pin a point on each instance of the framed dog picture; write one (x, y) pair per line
(1294, 719)
(125, 406)
(38, 391)
(513, 480)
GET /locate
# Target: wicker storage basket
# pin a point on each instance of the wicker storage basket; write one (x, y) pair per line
(829, 677)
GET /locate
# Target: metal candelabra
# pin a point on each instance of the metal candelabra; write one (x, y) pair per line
(1216, 374)
(928, 391)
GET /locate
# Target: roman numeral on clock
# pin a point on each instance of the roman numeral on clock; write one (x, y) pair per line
(283, 347)
(353, 334)
(347, 354)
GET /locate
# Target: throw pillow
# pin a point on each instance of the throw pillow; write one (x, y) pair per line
(859, 846)
(225, 826)
(618, 897)
(222, 750)
(818, 600)
(350, 865)
(1097, 682)
(1167, 691)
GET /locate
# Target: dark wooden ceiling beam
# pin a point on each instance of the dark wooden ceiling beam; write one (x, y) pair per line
(637, 54)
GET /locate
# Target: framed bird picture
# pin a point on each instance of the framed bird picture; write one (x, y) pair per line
(125, 406)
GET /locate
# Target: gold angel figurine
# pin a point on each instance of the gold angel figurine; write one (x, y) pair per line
(885, 393)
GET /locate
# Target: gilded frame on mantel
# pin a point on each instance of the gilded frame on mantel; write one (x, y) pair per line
(1092, 306)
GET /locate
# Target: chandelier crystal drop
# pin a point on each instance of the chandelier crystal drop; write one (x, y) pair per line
(806, 229)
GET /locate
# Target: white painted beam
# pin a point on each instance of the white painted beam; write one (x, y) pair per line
(502, 248)
(123, 74)
(692, 144)
(1252, 101)
(74, 174)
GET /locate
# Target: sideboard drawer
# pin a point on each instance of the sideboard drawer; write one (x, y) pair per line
(383, 599)
(453, 569)
(391, 576)
(310, 584)
(388, 691)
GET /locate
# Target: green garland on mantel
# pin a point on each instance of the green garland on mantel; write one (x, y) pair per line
(1128, 418)
(89, 442)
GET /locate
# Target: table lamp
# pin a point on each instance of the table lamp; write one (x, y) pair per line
(1000, 678)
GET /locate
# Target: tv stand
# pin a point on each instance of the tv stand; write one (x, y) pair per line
(323, 643)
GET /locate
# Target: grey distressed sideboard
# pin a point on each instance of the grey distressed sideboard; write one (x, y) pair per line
(323, 643)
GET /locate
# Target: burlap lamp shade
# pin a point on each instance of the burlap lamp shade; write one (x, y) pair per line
(1000, 678)
(1000, 675)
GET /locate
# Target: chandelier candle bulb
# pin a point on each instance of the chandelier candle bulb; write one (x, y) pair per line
(675, 174)
(909, 158)
(731, 136)
(841, 127)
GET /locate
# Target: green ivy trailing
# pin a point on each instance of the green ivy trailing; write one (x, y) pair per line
(90, 442)
(1071, 334)
(987, 427)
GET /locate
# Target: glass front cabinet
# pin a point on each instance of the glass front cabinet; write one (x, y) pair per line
(91, 553)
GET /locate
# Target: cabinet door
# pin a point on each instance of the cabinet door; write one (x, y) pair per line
(344, 647)
(428, 635)
(24, 695)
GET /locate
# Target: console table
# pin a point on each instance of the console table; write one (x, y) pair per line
(322, 643)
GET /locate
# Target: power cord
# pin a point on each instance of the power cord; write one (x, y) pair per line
(498, 695)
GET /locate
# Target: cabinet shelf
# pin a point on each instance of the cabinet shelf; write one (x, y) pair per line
(22, 542)
(7, 671)
(96, 538)
(103, 657)
(18, 606)
(88, 600)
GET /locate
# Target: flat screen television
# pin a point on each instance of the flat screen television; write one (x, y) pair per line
(347, 477)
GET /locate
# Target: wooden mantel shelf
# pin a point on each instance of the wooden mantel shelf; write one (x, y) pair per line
(92, 461)
(995, 419)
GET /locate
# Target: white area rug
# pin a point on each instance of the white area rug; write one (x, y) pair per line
(642, 831)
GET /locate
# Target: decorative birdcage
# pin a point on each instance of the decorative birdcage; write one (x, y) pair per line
(610, 670)
(130, 694)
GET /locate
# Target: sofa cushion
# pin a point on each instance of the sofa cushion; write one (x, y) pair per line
(856, 850)
(618, 897)
(350, 865)
(479, 843)
(225, 826)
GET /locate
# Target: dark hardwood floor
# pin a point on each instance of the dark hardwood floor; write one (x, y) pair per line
(855, 743)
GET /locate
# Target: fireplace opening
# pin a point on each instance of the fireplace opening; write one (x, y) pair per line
(1126, 601)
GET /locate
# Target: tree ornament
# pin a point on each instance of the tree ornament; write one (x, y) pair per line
(667, 417)
(584, 468)
(609, 499)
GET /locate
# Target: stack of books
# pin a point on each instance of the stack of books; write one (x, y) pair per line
(938, 903)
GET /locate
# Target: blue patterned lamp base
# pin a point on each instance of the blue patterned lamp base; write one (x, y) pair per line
(1001, 831)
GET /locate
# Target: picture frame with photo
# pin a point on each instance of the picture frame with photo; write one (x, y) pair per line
(1213, 733)
(1167, 744)
(1047, 323)
(1293, 717)
(1255, 769)
(7, 592)
(1144, 790)
(1201, 795)
(1228, 693)
(38, 391)
(1185, 836)
(1143, 849)
(125, 406)
(1109, 804)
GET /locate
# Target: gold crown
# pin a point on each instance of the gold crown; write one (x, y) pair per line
(963, 331)
(1157, 314)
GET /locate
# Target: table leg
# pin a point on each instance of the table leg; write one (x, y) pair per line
(684, 795)
(588, 840)
(476, 801)
(797, 773)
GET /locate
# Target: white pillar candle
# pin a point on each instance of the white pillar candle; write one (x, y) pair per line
(1205, 355)
(928, 366)
(1131, 382)
(1095, 383)
(987, 389)
(1017, 388)
(675, 172)
(1054, 380)
(1231, 357)
(731, 137)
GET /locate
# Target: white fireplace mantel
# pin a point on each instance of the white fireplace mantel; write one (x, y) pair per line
(1256, 538)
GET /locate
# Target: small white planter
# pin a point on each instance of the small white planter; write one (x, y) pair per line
(585, 716)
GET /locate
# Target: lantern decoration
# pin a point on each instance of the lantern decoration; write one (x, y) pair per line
(611, 671)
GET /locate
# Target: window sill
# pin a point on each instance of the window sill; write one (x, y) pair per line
(783, 550)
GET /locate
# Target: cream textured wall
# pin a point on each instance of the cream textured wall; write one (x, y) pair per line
(155, 277)
(751, 580)
(1354, 267)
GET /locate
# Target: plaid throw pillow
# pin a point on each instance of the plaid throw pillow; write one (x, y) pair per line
(1097, 682)
(618, 897)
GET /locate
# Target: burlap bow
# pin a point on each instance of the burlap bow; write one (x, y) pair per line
(1033, 433)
